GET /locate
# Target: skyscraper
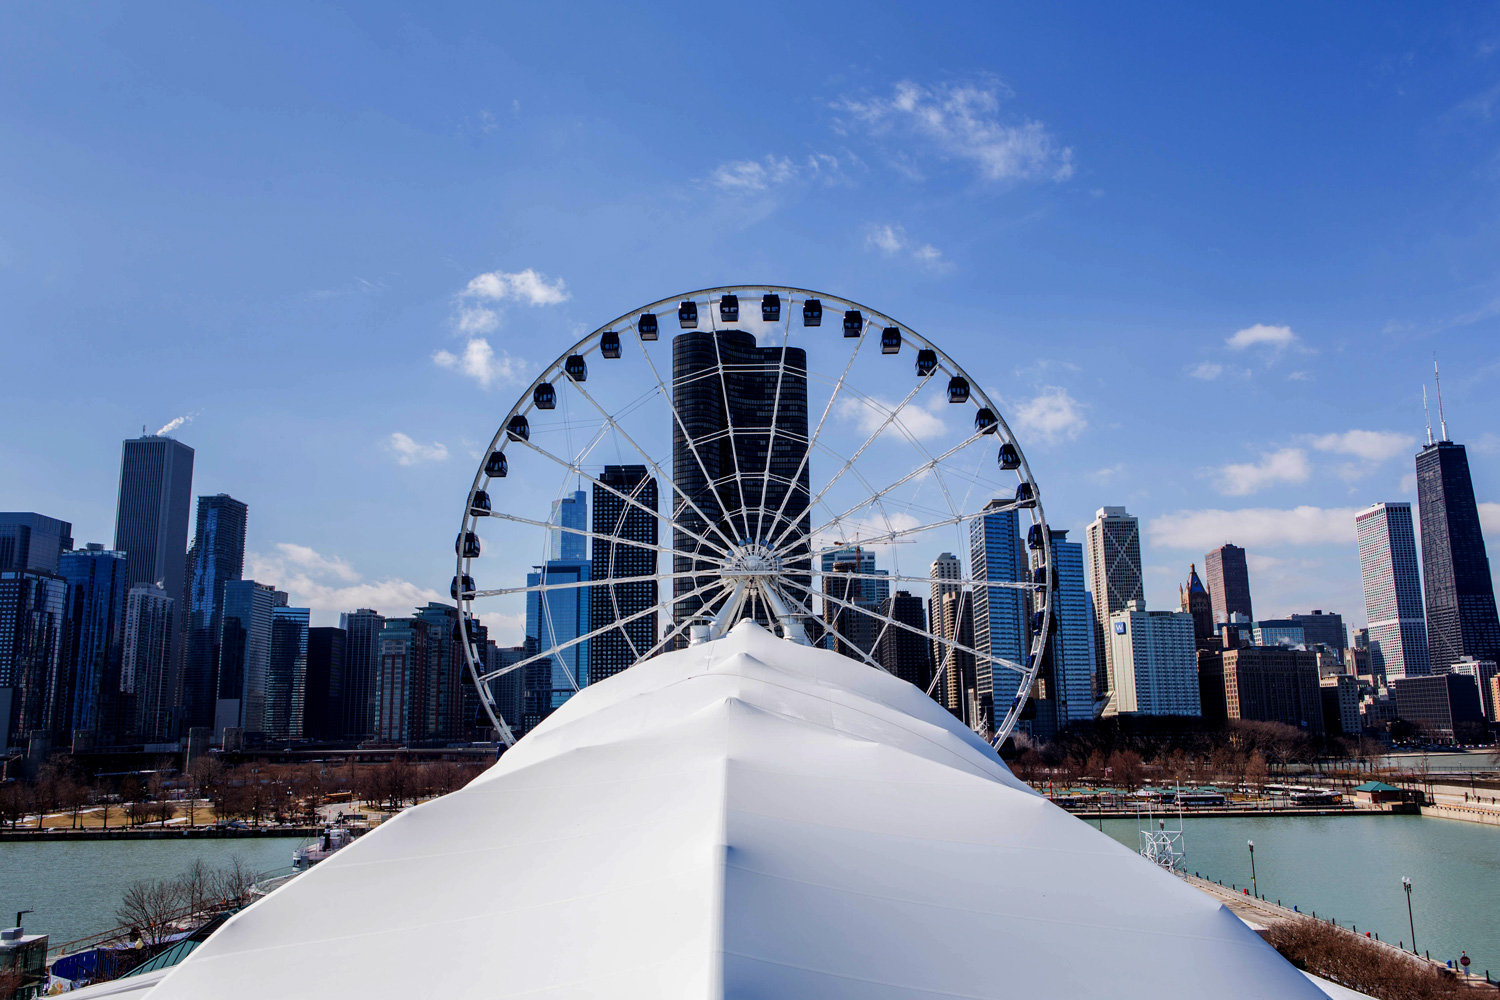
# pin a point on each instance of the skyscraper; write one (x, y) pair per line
(33, 541)
(151, 528)
(732, 485)
(571, 512)
(1070, 651)
(957, 665)
(286, 673)
(33, 604)
(361, 654)
(619, 648)
(1155, 663)
(848, 628)
(553, 618)
(872, 592)
(218, 555)
(244, 656)
(1228, 582)
(323, 705)
(1461, 618)
(1397, 632)
(901, 651)
(1325, 628)
(402, 663)
(946, 567)
(1193, 598)
(88, 694)
(1114, 546)
(438, 703)
(996, 553)
(145, 669)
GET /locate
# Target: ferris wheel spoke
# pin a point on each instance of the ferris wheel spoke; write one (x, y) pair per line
(959, 582)
(501, 515)
(577, 470)
(655, 467)
(811, 441)
(734, 452)
(1001, 661)
(765, 481)
(831, 628)
(550, 652)
(542, 588)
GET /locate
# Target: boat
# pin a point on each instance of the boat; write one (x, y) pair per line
(334, 839)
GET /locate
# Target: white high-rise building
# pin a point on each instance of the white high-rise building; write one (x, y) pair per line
(1155, 662)
(1114, 551)
(1393, 591)
(944, 568)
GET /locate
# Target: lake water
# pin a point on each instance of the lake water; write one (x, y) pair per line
(74, 887)
(1350, 868)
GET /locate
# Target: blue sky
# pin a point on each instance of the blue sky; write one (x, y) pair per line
(1203, 255)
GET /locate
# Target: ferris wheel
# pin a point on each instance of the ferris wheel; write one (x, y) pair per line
(758, 452)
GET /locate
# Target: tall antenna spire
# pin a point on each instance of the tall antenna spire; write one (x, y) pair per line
(1442, 420)
(1427, 414)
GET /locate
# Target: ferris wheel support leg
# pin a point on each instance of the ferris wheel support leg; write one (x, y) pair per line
(729, 613)
(790, 627)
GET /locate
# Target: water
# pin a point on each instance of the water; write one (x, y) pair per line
(1350, 868)
(74, 887)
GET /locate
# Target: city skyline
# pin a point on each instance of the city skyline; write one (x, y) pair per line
(1107, 257)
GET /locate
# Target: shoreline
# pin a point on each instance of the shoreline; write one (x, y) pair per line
(177, 833)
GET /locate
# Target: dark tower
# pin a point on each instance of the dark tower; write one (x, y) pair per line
(1461, 618)
(613, 651)
(905, 653)
(218, 555)
(1228, 582)
(761, 397)
(1193, 597)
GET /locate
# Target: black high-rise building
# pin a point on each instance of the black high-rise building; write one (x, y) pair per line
(1461, 619)
(33, 541)
(361, 657)
(218, 555)
(323, 703)
(739, 481)
(904, 652)
(613, 651)
(151, 528)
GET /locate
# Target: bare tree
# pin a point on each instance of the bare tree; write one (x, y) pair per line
(150, 906)
(197, 886)
(232, 882)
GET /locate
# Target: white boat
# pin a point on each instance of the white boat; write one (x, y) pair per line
(334, 838)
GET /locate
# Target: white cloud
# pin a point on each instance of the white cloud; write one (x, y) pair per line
(528, 286)
(1052, 415)
(1201, 530)
(963, 122)
(328, 585)
(480, 362)
(1276, 337)
(892, 240)
(871, 412)
(409, 452)
(1409, 483)
(1489, 517)
(1289, 465)
(1372, 446)
(1206, 370)
(752, 175)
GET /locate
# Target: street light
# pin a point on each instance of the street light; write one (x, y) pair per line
(1406, 884)
(1254, 889)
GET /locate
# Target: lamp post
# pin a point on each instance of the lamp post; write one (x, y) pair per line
(1406, 884)
(1254, 889)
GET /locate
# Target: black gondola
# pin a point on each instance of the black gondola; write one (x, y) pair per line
(984, 421)
(462, 588)
(646, 326)
(496, 467)
(687, 315)
(958, 389)
(479, 504)
(1039, 576)
(609, 344)
(1034, 537)
(926, 362)
(519, 429)
(458, 631)
(770, 307)
(544, 396)
(1010, 458)
(729, 308)
(854, 323)
(1025, 495)
(467, 545)
(812, 313)
(576, 368)
(890, 340)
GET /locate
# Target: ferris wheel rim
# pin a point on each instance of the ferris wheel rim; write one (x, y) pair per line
(590, 343)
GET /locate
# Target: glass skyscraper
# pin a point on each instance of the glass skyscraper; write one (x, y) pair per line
(571, 511)
(33, 604)
(218, 555)
(1397, 631)
(151, 528)
(33, 541)
(1461, 618)
(996, 553)
(1114, 550)
(244, 656)
(286, 673)
(1070, 651)
(615, 650)
(361, 654)
(90, 683)
(145, 669)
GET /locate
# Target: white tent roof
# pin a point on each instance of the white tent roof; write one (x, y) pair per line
(743, 818)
